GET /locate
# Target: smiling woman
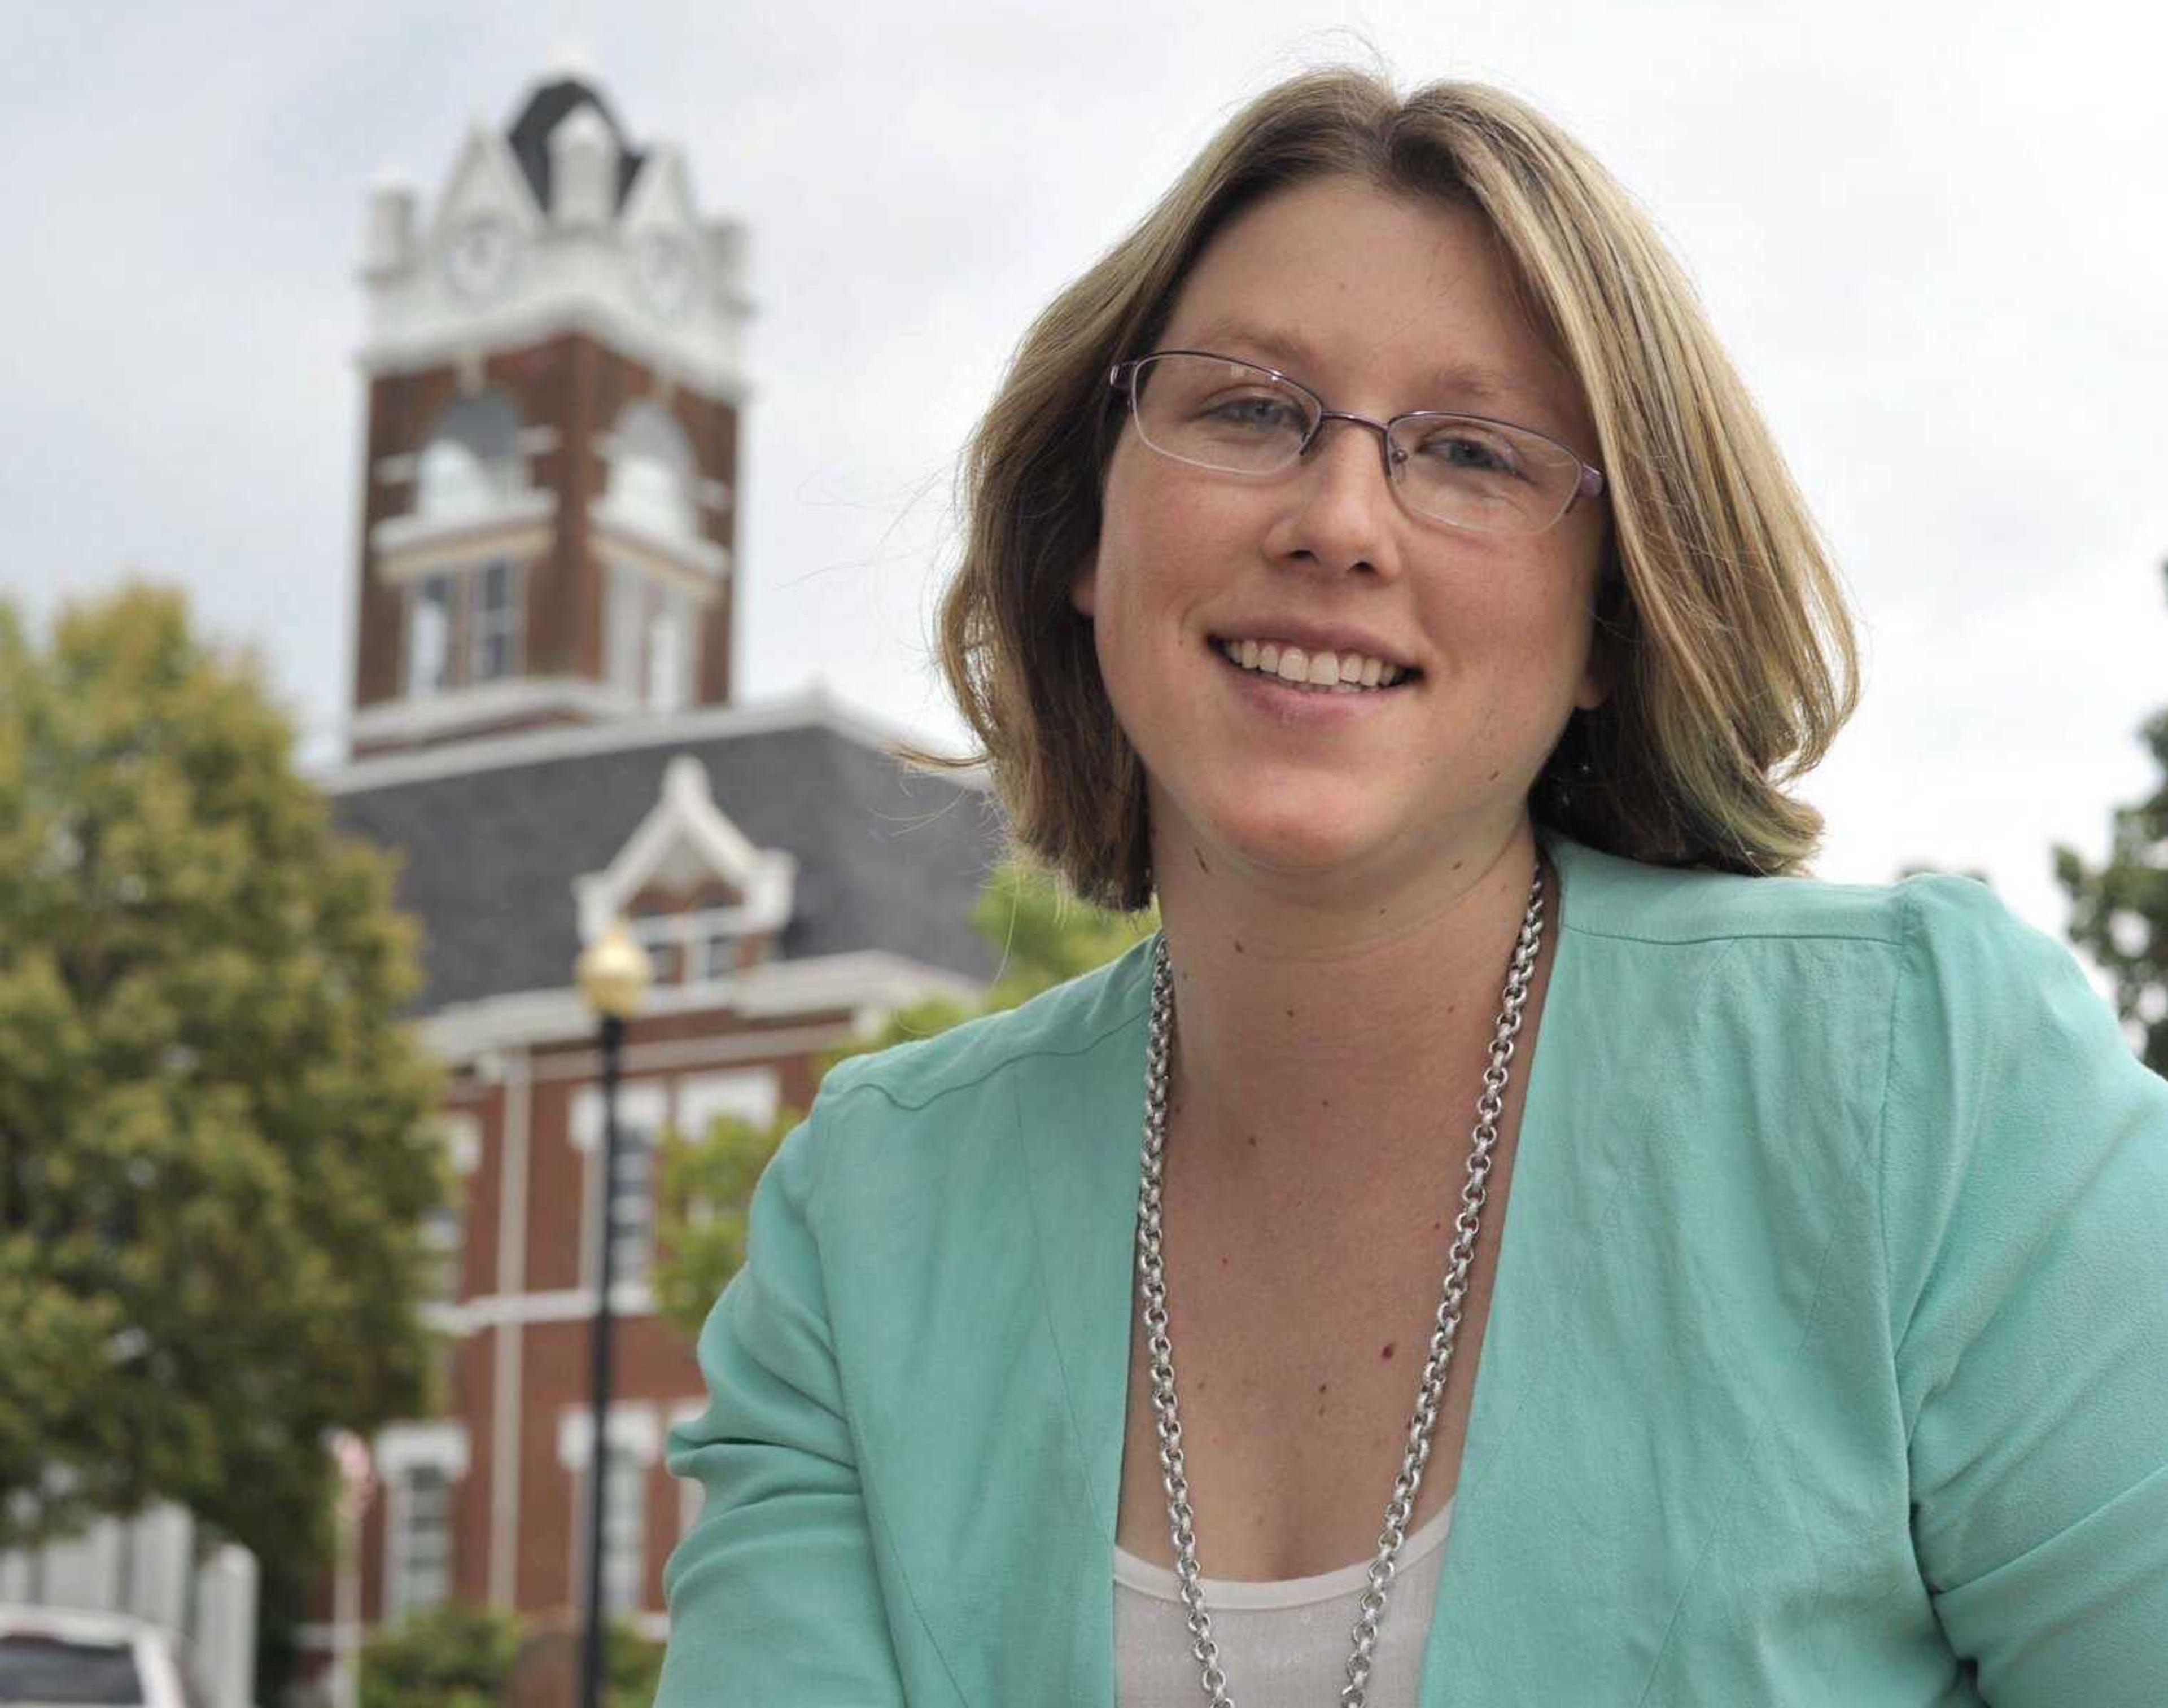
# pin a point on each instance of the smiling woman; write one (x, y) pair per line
(1374, 561)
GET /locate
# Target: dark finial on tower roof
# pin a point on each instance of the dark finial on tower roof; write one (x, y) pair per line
(568, 86)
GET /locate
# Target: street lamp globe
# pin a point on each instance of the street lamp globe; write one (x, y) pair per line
(613, 972)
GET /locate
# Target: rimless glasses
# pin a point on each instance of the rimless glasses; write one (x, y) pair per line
(1464, 470)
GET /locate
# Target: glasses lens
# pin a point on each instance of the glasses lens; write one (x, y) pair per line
(1482, 475)
(1219, 414)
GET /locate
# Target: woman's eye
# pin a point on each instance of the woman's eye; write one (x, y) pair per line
(1261, 413)
(1461, 451)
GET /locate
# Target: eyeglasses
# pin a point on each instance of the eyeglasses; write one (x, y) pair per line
(1239, 418)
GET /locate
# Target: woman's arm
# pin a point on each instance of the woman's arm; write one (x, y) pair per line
(774, 1595)
(2025, 1175)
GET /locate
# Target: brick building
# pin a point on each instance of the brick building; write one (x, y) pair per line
(543, 727)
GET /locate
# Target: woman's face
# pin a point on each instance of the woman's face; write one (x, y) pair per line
(1381, 305)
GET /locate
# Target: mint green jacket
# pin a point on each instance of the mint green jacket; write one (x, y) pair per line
(1827, 1364)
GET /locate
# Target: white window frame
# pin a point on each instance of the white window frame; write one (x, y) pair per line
(751, 1094)
(507, 623)
(643, 1111)
(401, 1450)
(444, 1231)
(635, 1447)
(639, 602)
(419, 594)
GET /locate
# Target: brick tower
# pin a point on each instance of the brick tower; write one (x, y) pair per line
(554, 377)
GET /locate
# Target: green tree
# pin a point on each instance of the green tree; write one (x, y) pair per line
(461, 1657)
(450, 1656)
(2119, 911)
(215, 1147)
(1044, 935)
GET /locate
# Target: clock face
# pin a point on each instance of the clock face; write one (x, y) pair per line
(668, 271)
(479, 260)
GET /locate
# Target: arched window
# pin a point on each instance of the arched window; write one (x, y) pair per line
(652, 472)
(471, 464)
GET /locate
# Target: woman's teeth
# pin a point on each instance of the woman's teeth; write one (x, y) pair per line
(1335, 672)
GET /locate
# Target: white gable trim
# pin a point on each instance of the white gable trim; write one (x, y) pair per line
(661, 195)
(687, 813)
(485, 178)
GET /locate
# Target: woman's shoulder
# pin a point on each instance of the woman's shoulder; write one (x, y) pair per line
(1607, 896)
(979, 1055)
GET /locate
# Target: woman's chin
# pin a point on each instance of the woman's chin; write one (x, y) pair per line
(1317, 845)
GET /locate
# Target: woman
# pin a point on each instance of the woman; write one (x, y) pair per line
(1374, 558)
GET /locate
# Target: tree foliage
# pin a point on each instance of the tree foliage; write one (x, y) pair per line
(2119, 910)
(449, 1657)
(461, 1657)
(215, 1141)
(1044, 935)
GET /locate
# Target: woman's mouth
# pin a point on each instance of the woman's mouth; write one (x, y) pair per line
(1317, 670)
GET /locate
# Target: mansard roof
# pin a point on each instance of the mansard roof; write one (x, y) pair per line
(495, 833)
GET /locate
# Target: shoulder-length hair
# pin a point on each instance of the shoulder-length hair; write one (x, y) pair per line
(1731, 650)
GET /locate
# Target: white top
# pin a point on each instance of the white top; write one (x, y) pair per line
(1284, 1644)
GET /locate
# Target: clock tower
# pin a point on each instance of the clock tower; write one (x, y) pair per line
(554, 381)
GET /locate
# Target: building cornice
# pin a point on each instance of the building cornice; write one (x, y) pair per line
(815, 706)
(857, 983)
(433, 717)
(717, 380)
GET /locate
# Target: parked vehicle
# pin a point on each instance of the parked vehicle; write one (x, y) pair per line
(56, 1658)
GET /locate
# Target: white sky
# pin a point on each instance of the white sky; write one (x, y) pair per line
(1934, 236)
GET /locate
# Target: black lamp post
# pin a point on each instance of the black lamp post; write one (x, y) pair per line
(613, 974)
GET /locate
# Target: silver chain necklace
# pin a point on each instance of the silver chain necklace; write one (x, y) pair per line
(1151, 1275)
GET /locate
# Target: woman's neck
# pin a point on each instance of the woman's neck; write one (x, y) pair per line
(1303, 1027)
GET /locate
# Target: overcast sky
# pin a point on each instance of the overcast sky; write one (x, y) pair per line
(1935, 237)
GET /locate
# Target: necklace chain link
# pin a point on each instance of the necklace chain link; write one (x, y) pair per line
(1151, 1288)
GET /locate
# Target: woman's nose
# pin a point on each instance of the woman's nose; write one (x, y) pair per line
(1347, 513)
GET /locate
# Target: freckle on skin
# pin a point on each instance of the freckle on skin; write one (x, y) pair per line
(1238, 946)
(1253, 1140)
(1388, 1352)
(1290, 1014)
(1322, 1386)
(1207, 870)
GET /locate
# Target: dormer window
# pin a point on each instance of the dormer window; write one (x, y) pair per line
(706, 903)
(691, 947)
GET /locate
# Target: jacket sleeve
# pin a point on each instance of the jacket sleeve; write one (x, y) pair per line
(2025, 1229)
(773, 1594)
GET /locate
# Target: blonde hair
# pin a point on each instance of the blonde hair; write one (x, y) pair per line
(1732, 653)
